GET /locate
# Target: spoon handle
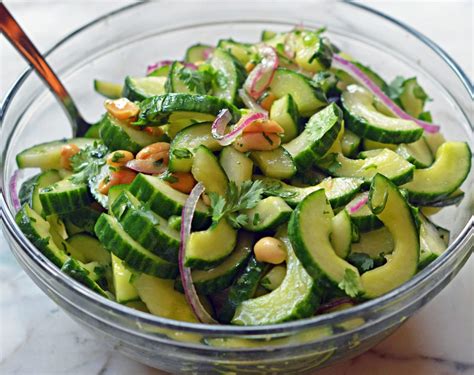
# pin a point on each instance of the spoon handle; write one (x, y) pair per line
(15, 34)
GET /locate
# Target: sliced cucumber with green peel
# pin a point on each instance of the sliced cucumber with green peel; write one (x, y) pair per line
(375, 243)
(29, 191)
(162, 300)
(341, 234)
(267, 35)
(164, 200)
(313, 53)
(114, 192)
(391, 207)
(268, 214)
(362, 118)
(108, 89)
(449, 170)
(157, 110)
(295, 298)
(140, 88)
(350, 143)
(309, 230)
(237, 166)
(418, 153)
(411, 95)
(63, 197)
(117, 241)
(385, 162)
(117, 135)
(242, 289)
(48, 155)
(285, 112)
(206, 249)
(184, 144)
(206, 169)
(432, 244)
(230, 75)
(93, 131)
(125, 291)
(307, 98)
(243, 52)
(197, 52)
(221, 276)
(273, 278)
(368, 144)
(277, 163)
(452, 199)
(362, 217)
(147, 228)
(319, 135)
(82, 220)
(87, 249)
(184, 80)
(82, 274)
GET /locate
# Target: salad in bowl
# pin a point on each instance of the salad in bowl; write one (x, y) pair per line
(247, 184)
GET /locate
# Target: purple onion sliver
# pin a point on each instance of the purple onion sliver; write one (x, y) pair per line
(363, 78)
(262, 74)
(186, 278)
(358, 205)
(145, 166)
(158, 65)
(220, 123)
(13, 186)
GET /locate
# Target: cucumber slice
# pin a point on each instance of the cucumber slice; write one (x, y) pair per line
(186, 141)
(114, 193)
(285, 112)
(230, 75)
(206, 169)
(36, 229)
(268, 214)
(309, 230)
(418, 153)
(140, 88)
(273, 278)
(63, 197)
(393, 210)
(83, 274)
(117, 135)
(210, 247)
(350, 143)
(412, 97)
(243, 52)
(339, 191)
(307, 98)
(158, 109)
(29, 191)
(434, 141)
(319, 135)
(48, 155)
(147, 228)
(108, 89)
(82, 220)
(125, 291)
(277, 163)
(313, 54)
(162, 71)
(363, 218)
(237, 166)
(341, 235)
(93, 131)
(117, 241)
(296, 297)
(244, 287)
(162, 300)
(267, 35)
(385, 162)
(368, 144)
(164, 200)
(448, 172)
(452, 199)
(181, 120)
(220, 277)
(184, 80)
(86, 249)
(432, 244)
(375, 243)
(197, 52)
(363, 119)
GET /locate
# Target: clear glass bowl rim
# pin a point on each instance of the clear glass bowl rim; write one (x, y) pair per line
(83, 292)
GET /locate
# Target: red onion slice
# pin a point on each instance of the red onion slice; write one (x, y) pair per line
(159, 64)
(261, 76)
(250, 103)
(356, 206)
(13, 186)
(219, 125)
(186, 277)
(350, 68)
(146, 166)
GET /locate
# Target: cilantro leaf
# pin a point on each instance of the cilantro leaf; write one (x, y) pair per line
(236, 199)
(275, 189)
(193, 79)
(362, 261)
(350, 283)
(88, 162)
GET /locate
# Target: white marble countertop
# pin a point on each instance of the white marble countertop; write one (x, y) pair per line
(36, 337)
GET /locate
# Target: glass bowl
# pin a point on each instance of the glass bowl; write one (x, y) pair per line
(124, 42)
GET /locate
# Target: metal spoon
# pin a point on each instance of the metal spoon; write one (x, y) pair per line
(15, 34)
